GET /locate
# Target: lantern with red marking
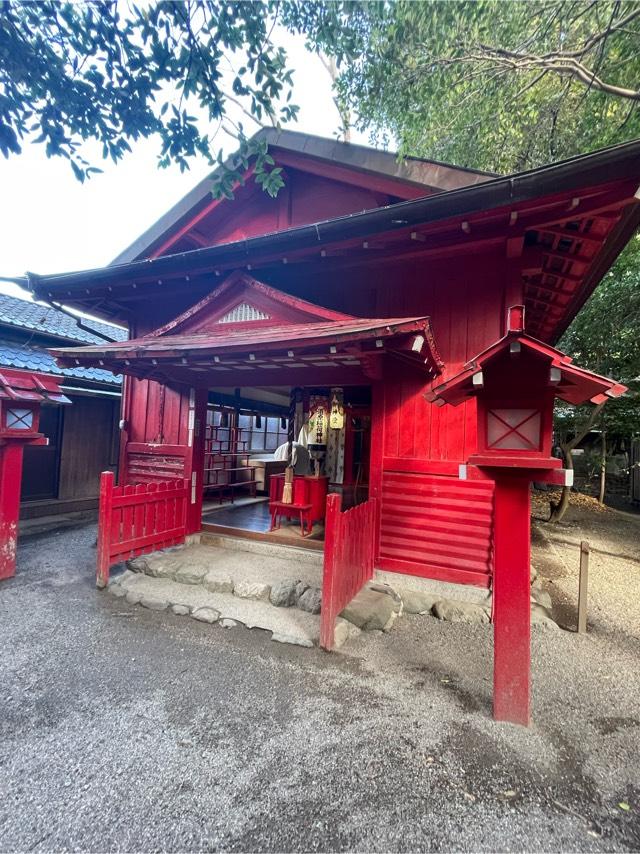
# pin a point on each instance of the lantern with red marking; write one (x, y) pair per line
(515, 382)
(21, 396)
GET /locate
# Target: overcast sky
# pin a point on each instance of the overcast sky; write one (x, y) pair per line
(51, 223)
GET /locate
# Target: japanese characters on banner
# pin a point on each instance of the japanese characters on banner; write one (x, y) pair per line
(318, 424)
(325, 427)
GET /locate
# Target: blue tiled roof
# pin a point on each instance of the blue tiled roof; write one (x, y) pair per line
(24, 314)
(30, 358)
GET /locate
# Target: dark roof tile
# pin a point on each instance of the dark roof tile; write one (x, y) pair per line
(30, 358)
(25, 314)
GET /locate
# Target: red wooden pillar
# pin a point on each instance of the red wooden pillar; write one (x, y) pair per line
(10, 481)
(376, 457)
(511, 600)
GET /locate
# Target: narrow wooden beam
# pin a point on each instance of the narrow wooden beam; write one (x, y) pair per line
(583, 587)
(565, 256)
(572, 235)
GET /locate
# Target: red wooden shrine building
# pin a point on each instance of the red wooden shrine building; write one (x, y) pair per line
(377, 292)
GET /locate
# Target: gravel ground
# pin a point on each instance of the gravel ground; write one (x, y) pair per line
(126, 729)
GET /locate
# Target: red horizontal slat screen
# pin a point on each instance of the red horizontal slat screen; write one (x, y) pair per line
(437, 527)
(135, 520)
(154, 467)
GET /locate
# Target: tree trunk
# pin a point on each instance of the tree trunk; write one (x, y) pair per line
(558, 510)
(603, 467)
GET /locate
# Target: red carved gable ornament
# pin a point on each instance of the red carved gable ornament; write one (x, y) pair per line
(243, 301)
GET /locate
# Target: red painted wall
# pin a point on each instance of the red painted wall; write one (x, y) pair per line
(432, 523)
(416, 447)
(304, 199)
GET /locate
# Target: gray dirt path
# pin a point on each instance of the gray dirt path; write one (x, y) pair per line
(125, 729)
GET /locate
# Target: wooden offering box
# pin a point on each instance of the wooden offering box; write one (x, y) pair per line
(309, 501)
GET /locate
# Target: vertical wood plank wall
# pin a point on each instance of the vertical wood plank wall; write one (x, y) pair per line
(87, 445)
(431, 523)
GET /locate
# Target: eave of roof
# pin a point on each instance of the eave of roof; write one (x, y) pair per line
(29, 358)
(262, 338)
(342, 345)
(576, 385)
(612, 174)
(606, 165)
(415, 172)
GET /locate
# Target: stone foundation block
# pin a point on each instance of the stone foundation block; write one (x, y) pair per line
(343, 631)
(206, 615)
(460, 612)
(191, 574)
(252, 590)
(117, 590)
(417, 601)
(153, 603)
(215, 583)
(180, 610)
(311, 600)
(284, 593)
(372, 610)
(296, 640)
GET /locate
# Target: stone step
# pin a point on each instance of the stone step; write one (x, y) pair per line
(287, 625)
(271, 579)
(309, 557)
(283, 581)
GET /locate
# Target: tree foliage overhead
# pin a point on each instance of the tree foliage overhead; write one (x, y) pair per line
(506, 86)
(116, 72)
(498, 85)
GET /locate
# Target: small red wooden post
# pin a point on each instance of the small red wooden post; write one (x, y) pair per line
(10, 480)
(331, 543)
(105, 513)
(511, 600)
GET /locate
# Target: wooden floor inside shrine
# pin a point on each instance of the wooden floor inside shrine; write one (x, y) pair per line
(250, 519)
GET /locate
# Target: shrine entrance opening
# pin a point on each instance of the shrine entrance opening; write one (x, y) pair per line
(246, 453)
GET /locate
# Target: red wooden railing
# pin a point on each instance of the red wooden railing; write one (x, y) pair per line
(138, 519)
(349, 549)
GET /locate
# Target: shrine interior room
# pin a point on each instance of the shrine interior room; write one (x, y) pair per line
(246, 452)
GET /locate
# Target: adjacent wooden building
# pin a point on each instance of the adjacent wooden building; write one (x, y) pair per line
(62, 477)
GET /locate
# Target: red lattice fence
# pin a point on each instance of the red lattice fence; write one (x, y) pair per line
(138, 519)
(349, 551)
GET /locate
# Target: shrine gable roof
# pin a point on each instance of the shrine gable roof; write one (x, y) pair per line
(339, 171)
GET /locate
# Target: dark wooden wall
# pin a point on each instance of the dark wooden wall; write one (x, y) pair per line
(89, 445)
(65, 476)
